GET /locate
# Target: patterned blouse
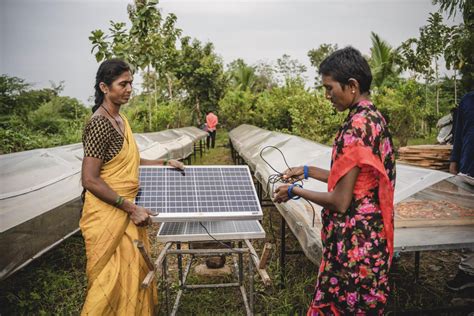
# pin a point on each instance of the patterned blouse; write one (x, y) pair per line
(100, 139)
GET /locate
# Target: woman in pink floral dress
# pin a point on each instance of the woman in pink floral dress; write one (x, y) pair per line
(357, 215)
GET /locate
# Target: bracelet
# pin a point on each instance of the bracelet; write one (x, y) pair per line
(119, 201)
(306, 172)
(290, 191)
(165, 162)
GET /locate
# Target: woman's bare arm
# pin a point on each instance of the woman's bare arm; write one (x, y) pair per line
(338, 200)
(161, 162)
(297, 173)
(93, 183)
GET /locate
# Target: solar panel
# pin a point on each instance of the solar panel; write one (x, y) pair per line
(199, 193)
(221, 230)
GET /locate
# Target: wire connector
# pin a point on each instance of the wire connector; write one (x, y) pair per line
(305, 172)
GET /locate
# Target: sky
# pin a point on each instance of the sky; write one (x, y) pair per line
(44, 41)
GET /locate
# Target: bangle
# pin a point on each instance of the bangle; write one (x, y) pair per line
(306, 172)
(119, 201)
(290, 191)
(165, 162)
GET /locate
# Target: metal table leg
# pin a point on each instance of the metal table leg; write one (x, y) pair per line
(282, 252)
(165, 284)
(417, 266)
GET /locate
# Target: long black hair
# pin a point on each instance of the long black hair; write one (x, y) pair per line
(108, 71)
(347, 63)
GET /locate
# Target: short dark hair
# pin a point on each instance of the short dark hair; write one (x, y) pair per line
(347, 63)
(108, 71)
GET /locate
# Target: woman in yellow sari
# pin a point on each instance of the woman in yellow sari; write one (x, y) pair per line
(110, 221)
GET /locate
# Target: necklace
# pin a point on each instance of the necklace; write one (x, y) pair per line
(118, 126)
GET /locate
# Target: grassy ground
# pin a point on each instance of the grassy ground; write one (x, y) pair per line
(56, 282)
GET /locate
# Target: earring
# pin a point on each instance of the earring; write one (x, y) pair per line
(353, 91)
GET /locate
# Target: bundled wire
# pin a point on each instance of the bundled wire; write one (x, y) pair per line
(218, 241)
(277, 177)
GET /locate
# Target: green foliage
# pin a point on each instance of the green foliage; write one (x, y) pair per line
(168, 114)
(402, 107)
(314, 117)
(236, 108)
(382, 61)
(242, 76)
(289, 69)
(451, 6)
(290, 108)
(317, 55)
(201, 74)
(37, 118)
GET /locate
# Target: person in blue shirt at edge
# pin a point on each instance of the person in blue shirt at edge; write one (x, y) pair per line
(462, 165)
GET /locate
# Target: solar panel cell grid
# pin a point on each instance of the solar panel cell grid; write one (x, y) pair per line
(223, 230)
(213, 192)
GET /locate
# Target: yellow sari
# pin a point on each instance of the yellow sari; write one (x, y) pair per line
(115, 267)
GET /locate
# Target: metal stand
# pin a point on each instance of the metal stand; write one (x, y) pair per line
(284, 252)
(161, 264)
(198, 148)
(417, 266)
(248, 300)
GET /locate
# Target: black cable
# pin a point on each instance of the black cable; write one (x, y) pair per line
(284, 159)
(220, 242)
(278, 177)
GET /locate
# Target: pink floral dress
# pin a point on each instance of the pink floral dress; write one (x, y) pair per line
(358, 245)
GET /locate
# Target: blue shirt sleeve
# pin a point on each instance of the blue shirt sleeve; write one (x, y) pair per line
(457, 136)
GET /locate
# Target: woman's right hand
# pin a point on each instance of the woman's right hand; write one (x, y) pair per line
(139, 215)
(293, 174)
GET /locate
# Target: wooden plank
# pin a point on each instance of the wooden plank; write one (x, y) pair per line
(262, 272)
(147, 258)
(147, 280)
(265, 255)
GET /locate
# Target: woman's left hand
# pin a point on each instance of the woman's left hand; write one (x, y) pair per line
(281, 194)
(176, 164)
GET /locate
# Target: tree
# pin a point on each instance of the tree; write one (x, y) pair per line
(10, 90)
(451, 6)
(463, 39)
(422, 53)
(201, 74)
(265, 73)
(382, 61)
(236, 108)
(289, 69)
(433, 39)
(148, 45)
(242, 76)
(453, 54)
(317, 55)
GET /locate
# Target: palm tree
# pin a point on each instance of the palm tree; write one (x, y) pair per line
(382, 60)
(244, 77)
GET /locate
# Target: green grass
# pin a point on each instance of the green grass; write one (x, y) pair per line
(56, 282)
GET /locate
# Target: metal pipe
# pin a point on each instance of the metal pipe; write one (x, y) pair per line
(282, 252)
(207, 252)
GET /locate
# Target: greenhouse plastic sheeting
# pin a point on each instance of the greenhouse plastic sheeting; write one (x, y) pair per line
(176, 145)
(193, 132)
(249, 140)
(40, 189)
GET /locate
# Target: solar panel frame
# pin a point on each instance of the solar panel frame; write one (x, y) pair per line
(192, 231)
(205, 195)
